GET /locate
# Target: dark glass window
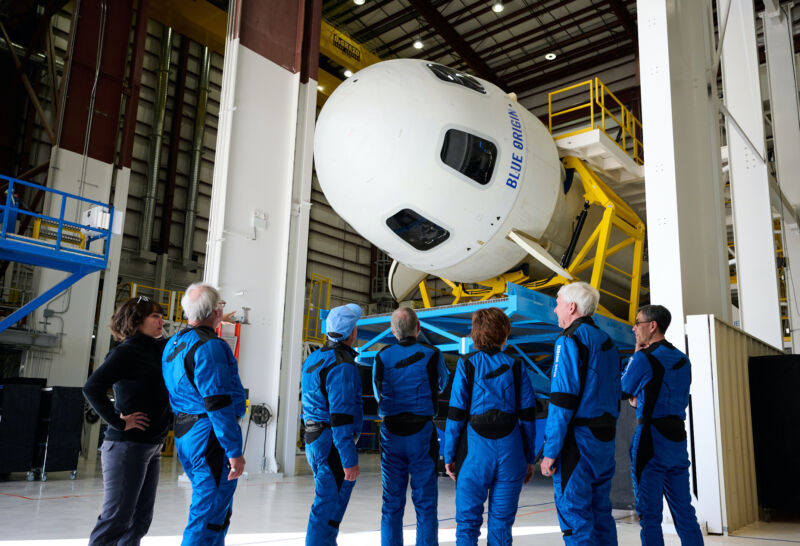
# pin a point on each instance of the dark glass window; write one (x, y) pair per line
(447, 74)
(470, 155)
(416, 230)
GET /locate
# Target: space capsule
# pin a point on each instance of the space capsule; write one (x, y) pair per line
(437, 168)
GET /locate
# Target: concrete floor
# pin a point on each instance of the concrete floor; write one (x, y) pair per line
(275, 511)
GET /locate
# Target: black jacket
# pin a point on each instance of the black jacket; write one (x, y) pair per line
(133, 369)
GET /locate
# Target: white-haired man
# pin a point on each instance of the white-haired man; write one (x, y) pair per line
(207, 397)
(581, 423)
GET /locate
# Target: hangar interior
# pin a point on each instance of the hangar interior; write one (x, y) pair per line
(149, 144)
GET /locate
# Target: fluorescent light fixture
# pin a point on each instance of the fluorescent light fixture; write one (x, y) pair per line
(550, 56)
(498, 7)
(418, 44)
(359, 2)
(348, 73)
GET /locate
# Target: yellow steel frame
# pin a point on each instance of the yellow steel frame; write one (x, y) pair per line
(313, 306)
(160, 295)
(71, 232)
(617, 215)
(616, 111)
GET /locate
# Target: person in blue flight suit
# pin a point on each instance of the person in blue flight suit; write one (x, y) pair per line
(207, 397)
(332, 414)
(407, 379)
(492, 410)
(581, 421)
(657, 382)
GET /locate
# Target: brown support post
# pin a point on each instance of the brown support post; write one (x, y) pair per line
(115, 34)
(131, 90)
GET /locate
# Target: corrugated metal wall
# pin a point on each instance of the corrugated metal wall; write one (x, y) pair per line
(336, 251)
(732, 350)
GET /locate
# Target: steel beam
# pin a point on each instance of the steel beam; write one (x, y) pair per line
(42, 298)
(759, 306)
(785, 114)
(449, 33)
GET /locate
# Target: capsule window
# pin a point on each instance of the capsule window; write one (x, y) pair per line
(447, 74)
(470, 155)
(417, 230)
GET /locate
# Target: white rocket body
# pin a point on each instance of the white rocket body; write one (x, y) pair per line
(436, 167)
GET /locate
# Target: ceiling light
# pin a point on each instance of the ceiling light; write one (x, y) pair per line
(418, 44)
(359, 2)
(550, 56)
(320, 88)
(347, 73)
(498, 7)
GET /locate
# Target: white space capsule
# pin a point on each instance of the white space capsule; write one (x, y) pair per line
(436, 167)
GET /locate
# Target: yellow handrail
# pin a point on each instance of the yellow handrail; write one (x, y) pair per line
(630, 127)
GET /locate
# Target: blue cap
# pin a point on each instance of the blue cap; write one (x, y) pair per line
(341, 321)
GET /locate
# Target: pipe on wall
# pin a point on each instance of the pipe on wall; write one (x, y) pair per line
(174, 145)
(156, 141)
(197, 157)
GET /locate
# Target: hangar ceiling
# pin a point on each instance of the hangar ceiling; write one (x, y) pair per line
(588, 38)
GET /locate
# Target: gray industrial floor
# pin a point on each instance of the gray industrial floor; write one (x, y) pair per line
(60, 511)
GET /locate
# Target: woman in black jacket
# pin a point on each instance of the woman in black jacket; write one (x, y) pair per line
(138, 421)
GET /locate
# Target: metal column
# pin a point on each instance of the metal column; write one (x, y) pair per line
(259, 203)
(688, 264)
(754, 241)
(785, 116)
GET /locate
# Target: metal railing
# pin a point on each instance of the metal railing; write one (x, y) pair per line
(60, 229)
(605, 112)
(319, 297)
(165, 298)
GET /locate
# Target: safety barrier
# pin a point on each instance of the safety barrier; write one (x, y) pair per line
(605, 112)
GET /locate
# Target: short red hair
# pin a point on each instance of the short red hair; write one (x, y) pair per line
(490, 328)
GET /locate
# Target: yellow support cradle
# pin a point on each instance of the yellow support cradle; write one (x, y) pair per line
(617, 216)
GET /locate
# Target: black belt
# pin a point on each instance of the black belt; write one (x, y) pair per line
(183, 418)
(493, 424)
(671, 427)
(603, 428)
(406, 424)
(185, 421)
(316, 426)
(668, 420)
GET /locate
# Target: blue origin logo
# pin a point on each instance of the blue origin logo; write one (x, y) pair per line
(518, 155)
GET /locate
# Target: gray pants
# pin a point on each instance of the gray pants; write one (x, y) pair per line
(130, 477)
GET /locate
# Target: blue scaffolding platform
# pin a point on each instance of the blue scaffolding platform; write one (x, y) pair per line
(534, 329)
(78, 259)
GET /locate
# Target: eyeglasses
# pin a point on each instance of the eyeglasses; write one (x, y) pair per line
(143, 298)
(637, 322)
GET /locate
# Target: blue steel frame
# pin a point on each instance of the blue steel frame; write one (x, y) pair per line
(53, 255)
(534, 329)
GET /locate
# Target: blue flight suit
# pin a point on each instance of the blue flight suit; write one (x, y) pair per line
(207, 396)
(492, 395)
(659, 377)
(580, 431)
(333, 413)
(407, 378)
